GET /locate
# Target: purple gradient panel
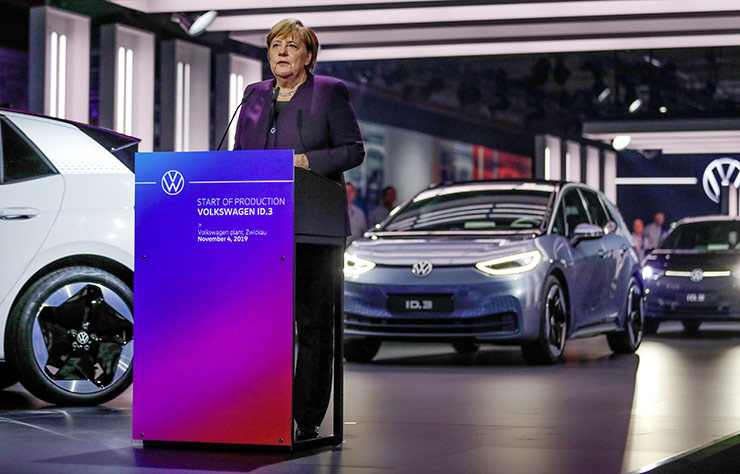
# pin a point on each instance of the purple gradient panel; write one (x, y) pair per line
(214, 319)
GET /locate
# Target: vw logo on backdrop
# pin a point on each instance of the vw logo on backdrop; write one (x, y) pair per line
(422, 268)
(720, 172)
(173, 182)
(697, 275)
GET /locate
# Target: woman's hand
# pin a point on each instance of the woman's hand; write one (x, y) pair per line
(300, 161)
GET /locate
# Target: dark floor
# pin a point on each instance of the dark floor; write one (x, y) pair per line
(424, 409)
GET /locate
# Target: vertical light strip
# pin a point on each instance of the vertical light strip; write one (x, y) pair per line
(186, 110)
(547, 162)
(567, 166)
(232, 100)
(129, 123)
(120, 89)
(62, 93)
(239, 92)
(53, 72)
(178, 106)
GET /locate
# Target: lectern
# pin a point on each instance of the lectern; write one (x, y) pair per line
(214, 286)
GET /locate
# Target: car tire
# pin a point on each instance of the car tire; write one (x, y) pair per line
(651, 327)
(7, 377)
(549, 346)
(360, 349)
(629, 337)
(465, 348)
(691, 327)
(70, 337)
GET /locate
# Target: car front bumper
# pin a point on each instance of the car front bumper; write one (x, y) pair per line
(680, 299)
(484, 308)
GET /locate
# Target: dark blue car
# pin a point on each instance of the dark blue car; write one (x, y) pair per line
(532, 263)
(694, 274)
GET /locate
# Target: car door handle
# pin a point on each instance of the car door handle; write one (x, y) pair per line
(18, 213)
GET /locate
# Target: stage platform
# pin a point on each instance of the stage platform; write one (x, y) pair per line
(422, 408)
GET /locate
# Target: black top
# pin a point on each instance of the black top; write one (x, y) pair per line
(280, 106)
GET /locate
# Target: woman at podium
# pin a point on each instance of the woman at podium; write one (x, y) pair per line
(313, 116)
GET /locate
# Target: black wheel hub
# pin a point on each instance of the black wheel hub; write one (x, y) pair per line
(84, 337)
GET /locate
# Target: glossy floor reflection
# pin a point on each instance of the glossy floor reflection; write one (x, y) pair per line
(422, 408)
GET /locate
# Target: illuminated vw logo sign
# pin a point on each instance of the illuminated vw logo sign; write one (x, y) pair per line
(422, 268)
(697, 275)
(720, 172)
(83, 338)
(173, 182)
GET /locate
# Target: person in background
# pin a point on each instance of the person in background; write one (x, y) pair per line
(357, 221)
(653, 232)
(638, 237)
(387, 199)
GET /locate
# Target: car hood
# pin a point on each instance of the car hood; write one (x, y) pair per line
(389, 251)
(689, 260)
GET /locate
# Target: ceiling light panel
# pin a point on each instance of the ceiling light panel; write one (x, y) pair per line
(526, 47)
(169, 6)
(679, 143)
(499, 31)
(467, 13)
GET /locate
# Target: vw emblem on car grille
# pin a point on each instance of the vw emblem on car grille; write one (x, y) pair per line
(697, 275)
(720, 172)
(173, 182)
(422, 268)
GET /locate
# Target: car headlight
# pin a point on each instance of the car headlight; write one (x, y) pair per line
(651, 273)
(511, 264)
(355, 266)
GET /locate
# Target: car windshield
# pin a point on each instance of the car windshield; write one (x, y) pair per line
(711, 236)
(473, 210)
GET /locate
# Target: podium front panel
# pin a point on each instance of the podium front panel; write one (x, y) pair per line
(213, 297)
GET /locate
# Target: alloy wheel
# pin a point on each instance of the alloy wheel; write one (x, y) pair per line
(82, 337)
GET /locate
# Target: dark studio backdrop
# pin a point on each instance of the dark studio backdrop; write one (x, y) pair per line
(675, 201)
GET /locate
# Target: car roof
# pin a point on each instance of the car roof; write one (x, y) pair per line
(530, 183)
(500, 181)
(87, 127)
(718, 218)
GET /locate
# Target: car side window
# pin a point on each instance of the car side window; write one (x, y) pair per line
(595, 209)
(20, 160)
(575, 212)
(613, 213)
(558, 225)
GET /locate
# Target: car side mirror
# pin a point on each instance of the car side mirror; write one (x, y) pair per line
(586, 232)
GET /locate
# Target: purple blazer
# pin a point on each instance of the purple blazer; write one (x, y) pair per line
(319, 121)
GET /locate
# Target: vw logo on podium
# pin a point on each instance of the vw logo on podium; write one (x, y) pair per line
(173, 182)
(720, 172)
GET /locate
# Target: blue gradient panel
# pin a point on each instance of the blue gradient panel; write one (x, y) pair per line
(213, 297)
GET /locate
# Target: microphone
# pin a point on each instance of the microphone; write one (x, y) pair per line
(244, 101)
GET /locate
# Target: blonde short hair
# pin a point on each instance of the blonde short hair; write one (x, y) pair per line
(294, 26)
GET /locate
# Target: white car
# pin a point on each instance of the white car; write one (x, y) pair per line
(66, 259)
